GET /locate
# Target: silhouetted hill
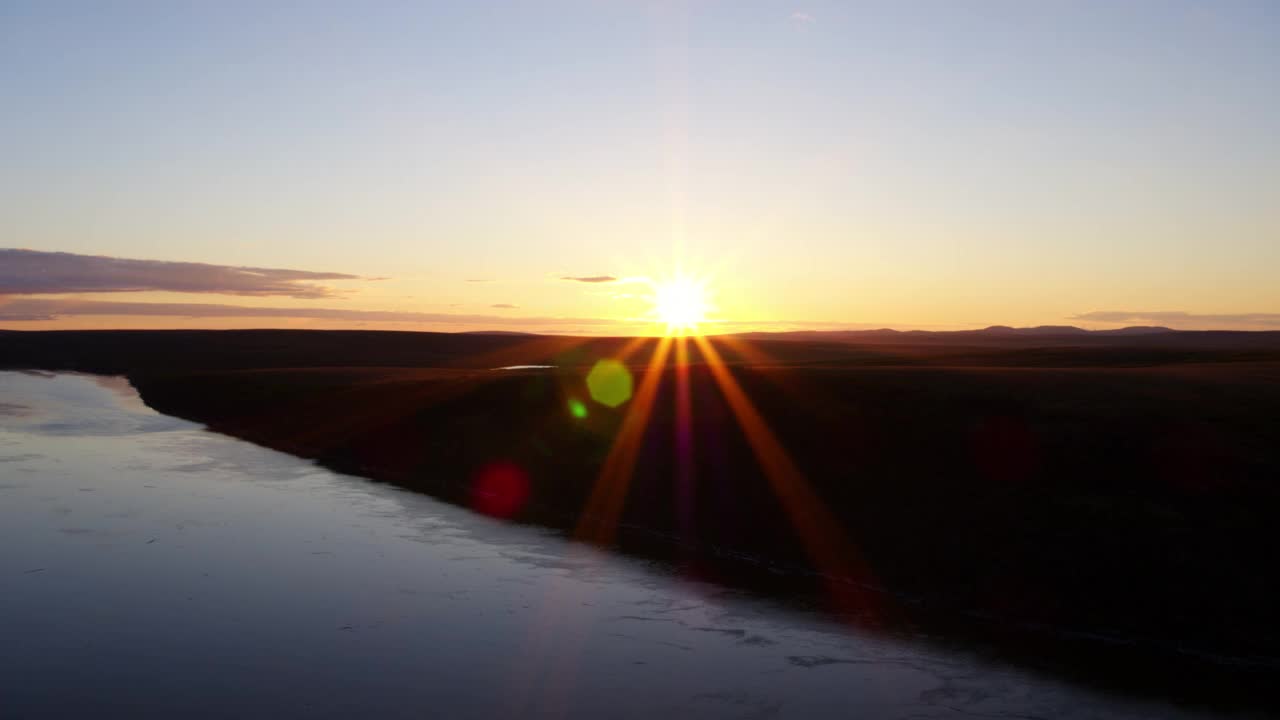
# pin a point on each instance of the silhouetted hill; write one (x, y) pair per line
(1042, 336)
(1137, 330)
(1039, 330)
(121, 351)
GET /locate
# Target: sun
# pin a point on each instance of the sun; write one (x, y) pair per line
(680, 304)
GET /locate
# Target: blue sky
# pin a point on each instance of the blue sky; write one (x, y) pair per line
(911, 164)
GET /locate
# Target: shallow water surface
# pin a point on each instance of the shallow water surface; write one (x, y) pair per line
(153, 569)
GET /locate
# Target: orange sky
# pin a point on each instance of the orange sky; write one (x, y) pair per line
(853, 165)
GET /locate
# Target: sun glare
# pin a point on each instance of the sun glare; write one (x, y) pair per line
(680, 304)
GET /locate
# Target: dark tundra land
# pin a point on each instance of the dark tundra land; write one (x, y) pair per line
(1101, 504)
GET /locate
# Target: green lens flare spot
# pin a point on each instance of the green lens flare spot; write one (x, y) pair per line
(577, 408)
(609, 383)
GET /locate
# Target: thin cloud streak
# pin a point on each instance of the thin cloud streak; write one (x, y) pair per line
(16, 312)
(34, 272)
(591, 278)
(23, 310)
(1179, 320)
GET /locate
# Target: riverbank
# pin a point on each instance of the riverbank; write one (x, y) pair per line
(1122, 512)
(1129, 507)
(149, 566)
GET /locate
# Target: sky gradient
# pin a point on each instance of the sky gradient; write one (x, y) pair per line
(823, 165)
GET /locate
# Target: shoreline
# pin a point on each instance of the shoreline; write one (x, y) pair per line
(1103, 653)
(763, 565)
(368, 579)
(1128, 508)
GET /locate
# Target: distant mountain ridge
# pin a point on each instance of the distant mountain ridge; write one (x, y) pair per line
(992, 331)
(1070, 330)
(1042, 336)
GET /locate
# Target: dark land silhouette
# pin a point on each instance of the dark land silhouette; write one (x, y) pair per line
(1096, 504)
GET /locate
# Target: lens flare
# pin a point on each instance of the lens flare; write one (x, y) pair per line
(500, 489)
(609, 383)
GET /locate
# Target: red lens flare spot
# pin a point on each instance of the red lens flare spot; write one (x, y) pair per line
(500, 489)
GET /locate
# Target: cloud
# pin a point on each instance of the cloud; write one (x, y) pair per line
(505, 306)
(24, 309)
(19, 310)
(33, 272)
(479, 280)
(1185, 321)
(803, 18)
(25, 317)
(591, 278)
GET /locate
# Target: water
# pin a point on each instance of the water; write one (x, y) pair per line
(152, 569)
